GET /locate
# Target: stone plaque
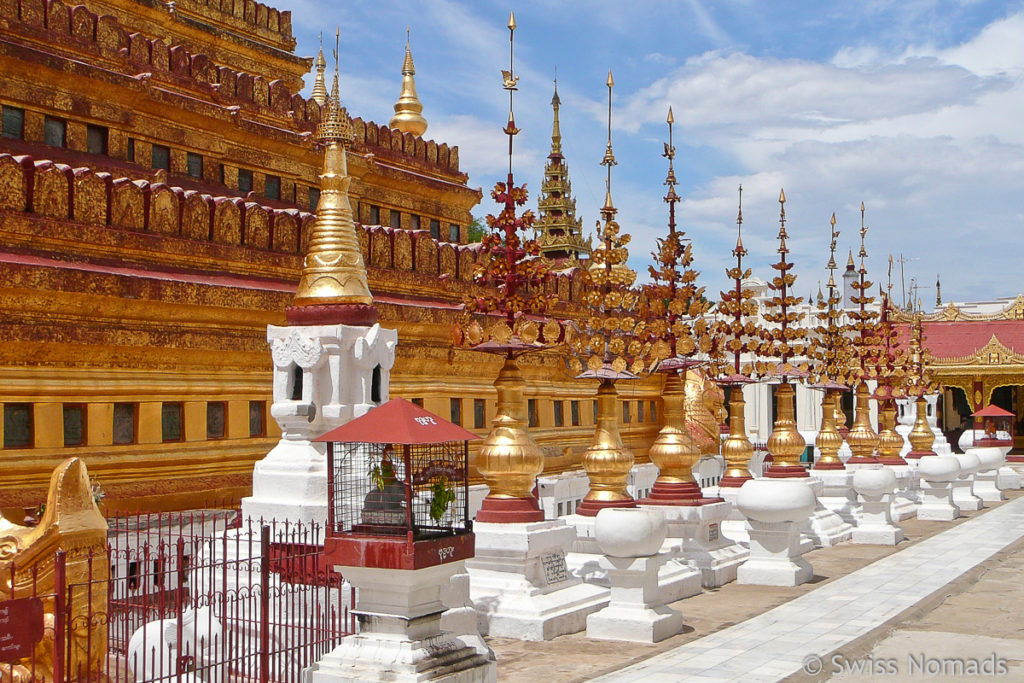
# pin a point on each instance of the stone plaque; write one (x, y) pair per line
(712, 532)
(555, 570)
(21, 627)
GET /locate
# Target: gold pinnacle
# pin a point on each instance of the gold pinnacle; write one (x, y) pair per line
(782, 196)
(611, 81)
(511, 21)
(671, 119)
(833, 221)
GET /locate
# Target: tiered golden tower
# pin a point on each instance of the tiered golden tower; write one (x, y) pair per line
(919, 384)
(559, 231)
(890, 374)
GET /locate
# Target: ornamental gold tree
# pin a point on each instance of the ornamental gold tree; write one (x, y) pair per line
(676, 329)
(831, 353)
(610, 346)
(862, 438)
(918, 384)
(889, 372)
(736, 334)
(784, 340)
(508, 320)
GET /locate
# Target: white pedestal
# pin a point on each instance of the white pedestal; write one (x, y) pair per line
(520, 584)
(936, 502)
(400, 637)
(837, 493)
(874, 524)
(676, 578)
(963, 497)
(695, 536)
(824, 527)
(636, 612)
(774, 556)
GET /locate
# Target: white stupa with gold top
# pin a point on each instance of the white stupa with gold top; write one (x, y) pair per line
(332, 361)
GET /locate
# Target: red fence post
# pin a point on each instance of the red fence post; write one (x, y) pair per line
(60, 634)
(265, 604)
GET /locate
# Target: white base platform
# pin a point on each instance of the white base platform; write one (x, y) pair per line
(908, 492)
(824, 527)
(676, 578)
(400, 637)
(963, 497)
(695, 536)
(875, 525)
(774, 556)
(986, 487)
(635, 613)
(935, 502)
(521, 586)
(1010, 477)
(735, 527)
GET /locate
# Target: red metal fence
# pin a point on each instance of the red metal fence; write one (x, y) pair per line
(200, 596)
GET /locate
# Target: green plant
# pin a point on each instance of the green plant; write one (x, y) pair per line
(444, 496)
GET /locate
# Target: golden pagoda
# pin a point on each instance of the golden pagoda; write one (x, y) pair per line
(319, 94)
(919, 383)
(408, 116)
(558, 229)
(333, 286)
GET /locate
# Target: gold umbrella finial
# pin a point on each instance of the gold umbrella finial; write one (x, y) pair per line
(511, 21)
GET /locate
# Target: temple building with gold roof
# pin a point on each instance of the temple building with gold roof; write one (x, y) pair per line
(157, 177)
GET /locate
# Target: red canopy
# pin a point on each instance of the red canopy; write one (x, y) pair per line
(992, 411)
(398, 421)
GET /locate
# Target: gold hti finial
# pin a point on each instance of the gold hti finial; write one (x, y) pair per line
(783, 249)
(556, 130)
(863, 231)
(408, 116)
(609, 157)
(670, 153)
(508, 82)
(739, 251)
(319, 86)
(333, 271)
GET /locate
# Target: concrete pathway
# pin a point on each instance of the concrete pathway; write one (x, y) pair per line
(794, 637)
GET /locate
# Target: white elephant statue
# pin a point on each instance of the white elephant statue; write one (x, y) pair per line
(154, 652)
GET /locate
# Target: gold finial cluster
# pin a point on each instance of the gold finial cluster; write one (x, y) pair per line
(333, 271)
(919, 384)
(408, 116)
(509, 270)
(862, 437)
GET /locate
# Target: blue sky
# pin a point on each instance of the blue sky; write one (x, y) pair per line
(911, 107)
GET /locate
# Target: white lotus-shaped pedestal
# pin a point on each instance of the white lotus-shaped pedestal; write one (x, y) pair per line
(937, 474)
(631, 539)
(986, 481)
(963, 497)
(775, 509)
(874, 523)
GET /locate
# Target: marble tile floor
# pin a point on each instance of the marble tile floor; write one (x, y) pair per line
(837, 613)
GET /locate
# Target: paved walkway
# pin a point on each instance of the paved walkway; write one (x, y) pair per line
(779, 643)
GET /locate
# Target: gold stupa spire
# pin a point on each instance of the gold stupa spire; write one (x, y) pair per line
(408, 116)
(333, 271)
(319, 86)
